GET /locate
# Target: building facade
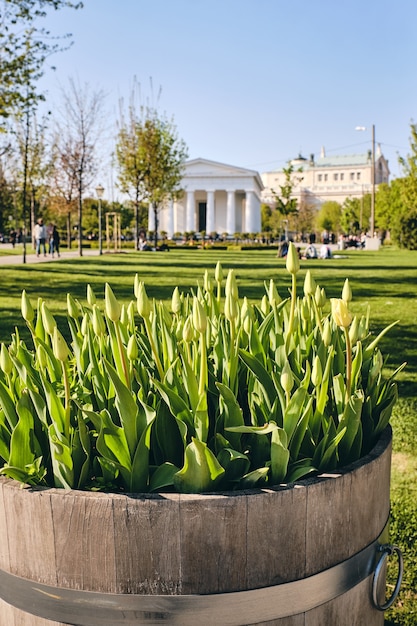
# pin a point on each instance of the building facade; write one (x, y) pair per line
(217, 198)
(329, 178)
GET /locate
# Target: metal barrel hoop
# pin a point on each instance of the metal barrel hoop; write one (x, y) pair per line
(387, 550)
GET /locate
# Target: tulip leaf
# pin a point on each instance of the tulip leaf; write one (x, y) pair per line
(280, 456)
(201, 471)
(163, 477)
(294, 410)
(260, 373)
(139, 479)
(235, 463)
(255, 478)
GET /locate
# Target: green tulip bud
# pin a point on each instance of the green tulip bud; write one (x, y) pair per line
(231, 308)
(91, 296)
(287, 378)
(124, 317)
(199, 316)
(27, 310)
(113, 308)
(309, 284)
(188, 330)
(84, 325)
(231, 285)
(305, 310)
(363, 328)
(317, 372)
(354, 331)
(136, 285)
(327, 333)
(132, 349)
(99, 326)
(143, 304)
(218, 273)
(176, 301)
(48, 319)
(207, 282)
(73, 310)
(6, 362)
(340, 313)
(346, 292)
(265, 305)
(273, 294)
(59, 346)
(247, 315)
(293, 260)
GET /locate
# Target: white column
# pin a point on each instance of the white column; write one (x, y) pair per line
(151, 218)
(231, 213)
(210, 223)
(170, 225)
(252, 210)
(190, 214)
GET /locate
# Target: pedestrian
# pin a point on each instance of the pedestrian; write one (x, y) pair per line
(54, 241)
(40, 237)
(12, 237)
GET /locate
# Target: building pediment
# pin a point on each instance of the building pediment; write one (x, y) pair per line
(206, 169)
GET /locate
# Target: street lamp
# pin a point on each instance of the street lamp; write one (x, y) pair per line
(99, 192)
(372, 221)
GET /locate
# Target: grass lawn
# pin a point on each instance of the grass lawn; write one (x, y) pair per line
(386, 281)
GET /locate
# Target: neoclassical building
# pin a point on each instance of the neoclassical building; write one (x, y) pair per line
(334, 177)
(217, 198)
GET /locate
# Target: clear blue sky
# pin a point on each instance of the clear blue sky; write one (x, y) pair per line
(253, 82)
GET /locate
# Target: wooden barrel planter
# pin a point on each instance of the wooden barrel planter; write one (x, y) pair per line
(296, 555)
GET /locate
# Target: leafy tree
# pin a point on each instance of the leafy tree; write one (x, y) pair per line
(405, 226)
(153, 163)
(285, 204)
(329, 217)
(24, 47)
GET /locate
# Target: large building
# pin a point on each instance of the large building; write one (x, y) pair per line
(329, 178)
(217, 198)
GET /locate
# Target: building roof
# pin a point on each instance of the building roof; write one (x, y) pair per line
(343, 160)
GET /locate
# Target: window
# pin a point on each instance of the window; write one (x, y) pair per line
(342, 176)
(358, 175)
(325, 177)
(335, 176)
(319, 178)
(352, 176)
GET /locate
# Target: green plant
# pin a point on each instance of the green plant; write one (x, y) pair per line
(215, 393)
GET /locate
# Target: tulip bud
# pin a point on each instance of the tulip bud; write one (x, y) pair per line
(317, 372)
(27, 310)
(231, 308)
(199, 316)
(188, 330)
(340, 313)
(136, 285)
(218, 273)
(207, 282)
(231, 285)
(273, 294)
(305, 310)
(73, 310)
(113, 307)
(91, 296)
(247, 315)
(132, 349)
(124, 317)
(287, 378)
(293, 260)
(354, 331)
(309, 284)
(176, 301)
(6, 362)
(347, 292)
(327, 333)
(99, 326)
(143, 304)
(84, 325)
(265, 305)
(48, 319)
(59, 346)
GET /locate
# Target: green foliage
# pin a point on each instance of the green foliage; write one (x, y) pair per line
(329, 217)
(284, 203)
(25, 48)
(211, 393)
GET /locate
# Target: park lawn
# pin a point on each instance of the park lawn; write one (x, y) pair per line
(385, 281)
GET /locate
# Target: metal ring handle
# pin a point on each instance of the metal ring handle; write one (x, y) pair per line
(387, 550)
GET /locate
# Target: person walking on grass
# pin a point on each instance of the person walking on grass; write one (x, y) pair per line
(40, 237)
(54, 240)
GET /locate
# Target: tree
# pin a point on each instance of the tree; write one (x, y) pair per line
(24, 48)
(329, 216)
(151, 159)
(75, 146)
(285, 204)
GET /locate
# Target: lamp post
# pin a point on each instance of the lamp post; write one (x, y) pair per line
(99, 192)
(372, 220)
